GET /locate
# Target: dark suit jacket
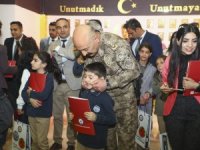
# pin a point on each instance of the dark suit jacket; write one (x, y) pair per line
(27, 43)
(4, 68)
(156, 44)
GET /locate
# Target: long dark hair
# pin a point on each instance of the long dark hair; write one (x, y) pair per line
(174, 62)
(52, 65)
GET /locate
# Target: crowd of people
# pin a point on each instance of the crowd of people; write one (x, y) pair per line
(118, 76)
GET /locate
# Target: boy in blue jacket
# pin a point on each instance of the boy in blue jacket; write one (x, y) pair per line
(101, 105)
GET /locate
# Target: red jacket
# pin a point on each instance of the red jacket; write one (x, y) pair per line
(172, 97)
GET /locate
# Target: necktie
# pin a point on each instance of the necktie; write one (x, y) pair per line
(52, 40)
(137, 46)
(17, 46)
(63, 44)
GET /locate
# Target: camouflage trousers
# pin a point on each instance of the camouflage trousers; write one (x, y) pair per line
(122, 136)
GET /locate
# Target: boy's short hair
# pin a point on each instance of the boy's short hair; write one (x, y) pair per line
(97, 68)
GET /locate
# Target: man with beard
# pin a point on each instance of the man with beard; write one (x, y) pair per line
(137, 35)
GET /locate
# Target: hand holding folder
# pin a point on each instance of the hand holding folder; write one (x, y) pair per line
(193, 72)
(37, 81)
(78, 106)
(11, 63)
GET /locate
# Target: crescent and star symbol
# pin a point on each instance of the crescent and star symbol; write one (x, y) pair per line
(121, 9)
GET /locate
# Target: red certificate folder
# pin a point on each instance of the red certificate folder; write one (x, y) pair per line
(37, 81)
(78, 106)
(11, 63)
(193, 72)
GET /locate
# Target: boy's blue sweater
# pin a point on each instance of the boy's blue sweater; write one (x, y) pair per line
(102, 105)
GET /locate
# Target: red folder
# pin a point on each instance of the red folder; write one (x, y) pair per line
(193, 72)
(11, 63)
(37, 81)
(78, 106)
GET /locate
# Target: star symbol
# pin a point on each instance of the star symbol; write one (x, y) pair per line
(134, 5)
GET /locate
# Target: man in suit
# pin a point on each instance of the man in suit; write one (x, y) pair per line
(53, 36)
(17, 41)
(16, 45)
(70, 85)
(137, 35)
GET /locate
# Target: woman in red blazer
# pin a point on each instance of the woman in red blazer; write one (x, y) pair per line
(182, 113)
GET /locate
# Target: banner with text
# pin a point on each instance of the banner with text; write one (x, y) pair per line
(121, 7)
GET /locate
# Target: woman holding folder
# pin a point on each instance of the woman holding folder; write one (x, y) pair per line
(182, 113)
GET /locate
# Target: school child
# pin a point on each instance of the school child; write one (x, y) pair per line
(147, 70)
(39, 104)
(160, 96)
(101, 105)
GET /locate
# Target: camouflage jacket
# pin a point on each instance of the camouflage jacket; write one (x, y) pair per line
(122, 68)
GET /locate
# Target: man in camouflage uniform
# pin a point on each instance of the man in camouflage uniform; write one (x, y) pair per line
(114, 52)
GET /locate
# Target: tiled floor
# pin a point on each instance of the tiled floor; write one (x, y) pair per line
(154, 145)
